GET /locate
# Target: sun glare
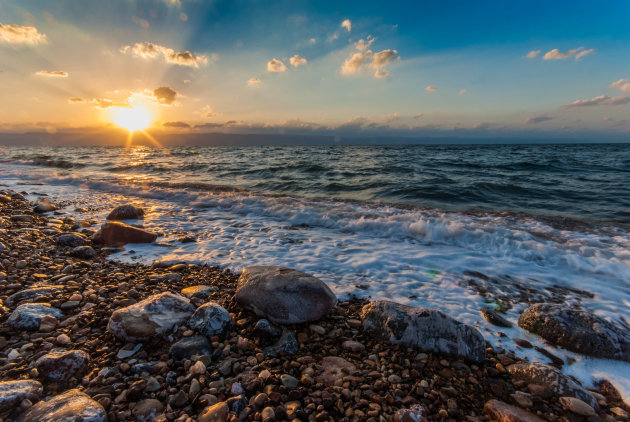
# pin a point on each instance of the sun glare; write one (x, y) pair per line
(132, 119)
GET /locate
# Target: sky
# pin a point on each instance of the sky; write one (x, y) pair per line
(536, 69)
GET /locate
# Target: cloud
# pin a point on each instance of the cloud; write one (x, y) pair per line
(253, 81)
(297, 60)
(275, 65)
(347, 24)
(105, 103)
(176, 124)
(418, 115)
(382, 58)
(462, 92)
(18, 34)
(601, 100)
(364, 44)
(430, 88)
(388, 118)
(75, 100)
(621, 84)
(354, 63)
(206, 111)
(147, 50)
(381, 73)
(52, 73)
(532, 54)
(537, 119)
(165, 95)
(360, 60)
(354, 124)
(579, 52)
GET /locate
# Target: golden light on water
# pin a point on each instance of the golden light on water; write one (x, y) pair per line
(132, 118)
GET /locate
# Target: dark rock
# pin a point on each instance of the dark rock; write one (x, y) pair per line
(577, 330)
(237, 404)
(28, 316)
(284, 295)
(287, 343)
(83, 252)
(71, 240)
(61, 366)
(334, 368)
(115, 233)
(215, 413)
(43, 206)
(147, 410)
(190, 346)
(155, 315)
(72, 405)
(126, 212)
(13, 392)
(500, 411)
(426, 329)
(415, 413)
(523, 343)
(265, 329)
(494, 318)
(210, 319)
(33, 292)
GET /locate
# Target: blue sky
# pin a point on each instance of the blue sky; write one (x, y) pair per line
(504, 68)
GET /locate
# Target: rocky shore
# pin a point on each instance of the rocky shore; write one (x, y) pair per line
(86, 338)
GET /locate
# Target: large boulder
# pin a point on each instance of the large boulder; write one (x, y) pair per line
(126, 212)
(577, 330)
(61, 366)
(426, 329)
(13, 392)
(154, 316)
(48, 292)
(115, 233)
(71, 406)
(552, 379)
(210, 319)
(28, 315)
(284, 295)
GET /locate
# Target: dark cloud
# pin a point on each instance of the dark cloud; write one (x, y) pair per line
(177, 124)
(165, 95)
(537, 119)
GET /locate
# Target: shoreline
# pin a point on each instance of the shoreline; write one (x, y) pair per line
(387, 378)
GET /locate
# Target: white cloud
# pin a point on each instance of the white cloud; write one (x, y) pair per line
(347, 24)
(275, 65)
(18, 34)
(382, 58)
(381, 73)
(253, 81)
(601, 100)
(364, 44)
(579, 52)
(354, 63)
(621, 84)
(532, 54)
(388, 118)
(297, 61)
(430, 88)
(52, 73)
(418, 115)
(462, 92)
(537, 119)
(147, 50)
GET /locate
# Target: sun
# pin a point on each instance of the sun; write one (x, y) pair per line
(132, 119)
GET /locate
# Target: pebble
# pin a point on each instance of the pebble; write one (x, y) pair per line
(63, 340)
(289, 382)
(268, 414)
(197, 369)
(260, 400)
(577, 406)
(353, 346)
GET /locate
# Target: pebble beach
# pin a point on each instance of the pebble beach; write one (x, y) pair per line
(84, 337)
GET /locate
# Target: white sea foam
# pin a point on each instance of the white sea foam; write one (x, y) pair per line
(413, 256)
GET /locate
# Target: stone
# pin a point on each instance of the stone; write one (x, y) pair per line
(288, 381)
(73, 405)
(115, 233)
(210, 319)
(216, 413)
(523, 343)
(334, 368)
(266, 329)
(128, 350)
(151, 317)
(125, 212)
(268, 414)
(197, 369)
(577, 330)
(237, 404)
(199, 292)
(61, 366)
(13, 392)
(190, 346)
(503, 412)
(494, 318)
(577, 406)
(147, 410)
(43, 206)
(32, 292)
(415, 413)
(522, 399)
(71, 240)
(169, 278)
(550, 377)
(28, 315)
(287, 343)
(283, 295)
(353, 346)
(428, 330)
(83, 252)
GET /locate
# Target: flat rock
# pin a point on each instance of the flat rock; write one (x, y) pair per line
(503, 412)
(13, 392)
(28, 315)
(71, 240)
(216, 413)
(115, 233)
(61, 366)
(190, 346)
(494, 318)
(210, 319)
(577, 330)
(125, 212)
(71, 406)
(334, 368)
(83, 252)
(553, 380)
(153, 316)
(428, 330)
(577, 406)
(199, 292)
(31, 293)
(284, 295)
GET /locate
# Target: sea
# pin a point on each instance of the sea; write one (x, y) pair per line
(451, 227)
